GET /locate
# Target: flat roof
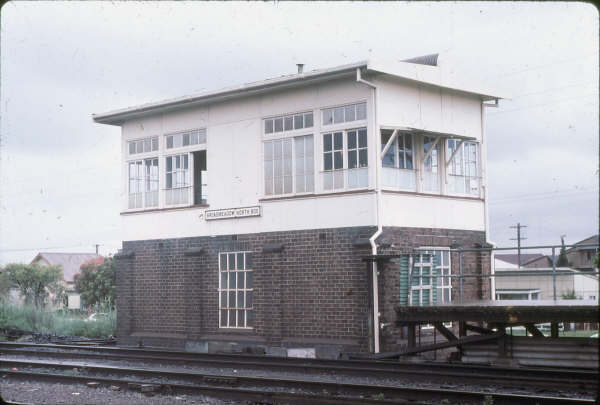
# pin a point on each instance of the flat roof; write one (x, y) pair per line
(429, 75)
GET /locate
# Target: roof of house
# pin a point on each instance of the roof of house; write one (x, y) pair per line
(592, 240)
(422, 69)
(514, 258)
(70, 262)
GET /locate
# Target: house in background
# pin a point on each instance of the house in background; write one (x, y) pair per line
(70, 264)
(511, 261)
(582, 257)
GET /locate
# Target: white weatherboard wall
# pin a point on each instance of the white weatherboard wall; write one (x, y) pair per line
(235, 166)
(405, 103)
(432, 212)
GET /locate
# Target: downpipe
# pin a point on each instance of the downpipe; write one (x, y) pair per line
(485, 198)
(378, 208)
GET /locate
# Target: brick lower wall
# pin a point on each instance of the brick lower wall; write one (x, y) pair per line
(314, 292)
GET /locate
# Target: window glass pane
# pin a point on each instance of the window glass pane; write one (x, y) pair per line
(177, 141)
(327, 162)
(408, 159)
(308, 146)
(308, 120)
(352, 140)
(240, 299)
(139, 146)
(249, 318)
(298, 121)
(185, 162)
(278, 185)
(131, 148)
(289, 123)
(350, 113)
(299, 146)
(241, 277)
(147, 145)
(361, 111)
(268, 126)
(287, 166)
(186, 139)
(249, 299)
(287, 183)
(223, 299)
(310, 182)
(241, 318)
(231, 279)
(169, 180)
(338, 140)
(287, 148)
(327, 116)
(231, 261)
(338, 115)
(362, 158)
(223, 263)
(202, 136)
(232, 321)
(155, 143)
(338, 160)
(248, 261)
(327, 142)
(249, 280)
(194, 138)
(278, 124)
(240, 261)
(362, 138)
(169, 142)
(277, 149)
(224, 318)
(352, 159)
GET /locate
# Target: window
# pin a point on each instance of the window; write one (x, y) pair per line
(463, 171)
(143, 145)
(290, 122)
(398, 163)
(427, 290)
(351, 172)
(431, 177)
(177, 179)
(235, 290)
(187, 138)
(151, 184)
(289, 165)
(349, 113)
(136, 175)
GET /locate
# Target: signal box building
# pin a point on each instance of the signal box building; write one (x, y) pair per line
(247, 213)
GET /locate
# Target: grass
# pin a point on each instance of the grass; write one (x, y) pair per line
(59, 322)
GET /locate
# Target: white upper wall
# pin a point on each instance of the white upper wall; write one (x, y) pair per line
(235, 161)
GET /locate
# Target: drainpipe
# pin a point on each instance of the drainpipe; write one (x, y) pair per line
(485, 196)
(378, 210)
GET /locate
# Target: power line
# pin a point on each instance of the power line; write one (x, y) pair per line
(544, 104)
(559, 62)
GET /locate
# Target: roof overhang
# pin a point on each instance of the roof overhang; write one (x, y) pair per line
(424, 74)
(427, 132)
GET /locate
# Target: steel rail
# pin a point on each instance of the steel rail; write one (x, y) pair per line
(340, 390)
(529, 376)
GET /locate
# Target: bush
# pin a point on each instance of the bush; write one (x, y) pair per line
(61, 323)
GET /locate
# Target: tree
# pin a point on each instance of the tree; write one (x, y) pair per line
(35, 282)
(5, 285)
(562, 256)
(96, 281)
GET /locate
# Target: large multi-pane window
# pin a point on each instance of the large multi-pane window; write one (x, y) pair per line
(143, 183)
(348, 113)
(143, 145)
(289, 165)
(398, 162)
(235, 290)
(463, 171)
(177, 181)
(187, 138)
(351, 171)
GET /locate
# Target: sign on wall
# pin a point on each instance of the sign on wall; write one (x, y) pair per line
(228, 213)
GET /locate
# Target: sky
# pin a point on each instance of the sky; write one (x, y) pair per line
(62, 61)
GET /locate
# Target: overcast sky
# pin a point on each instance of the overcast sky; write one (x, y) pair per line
(63, 61)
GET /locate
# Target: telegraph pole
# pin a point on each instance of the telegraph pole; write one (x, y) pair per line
(97, 245)
(518, 239)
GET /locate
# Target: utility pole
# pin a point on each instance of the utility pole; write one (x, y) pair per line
(97, 248)
(518, 239)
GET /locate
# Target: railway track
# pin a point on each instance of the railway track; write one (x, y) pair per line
(303, 389)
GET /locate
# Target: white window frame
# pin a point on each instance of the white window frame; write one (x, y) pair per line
(187, 185)
(200, 132)
(153, 140)
(142, 182)
(430, 250)
(283, 117)
(224, 291)
(459, 163)
(291, 138)
(344, 171)
(345, 120)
